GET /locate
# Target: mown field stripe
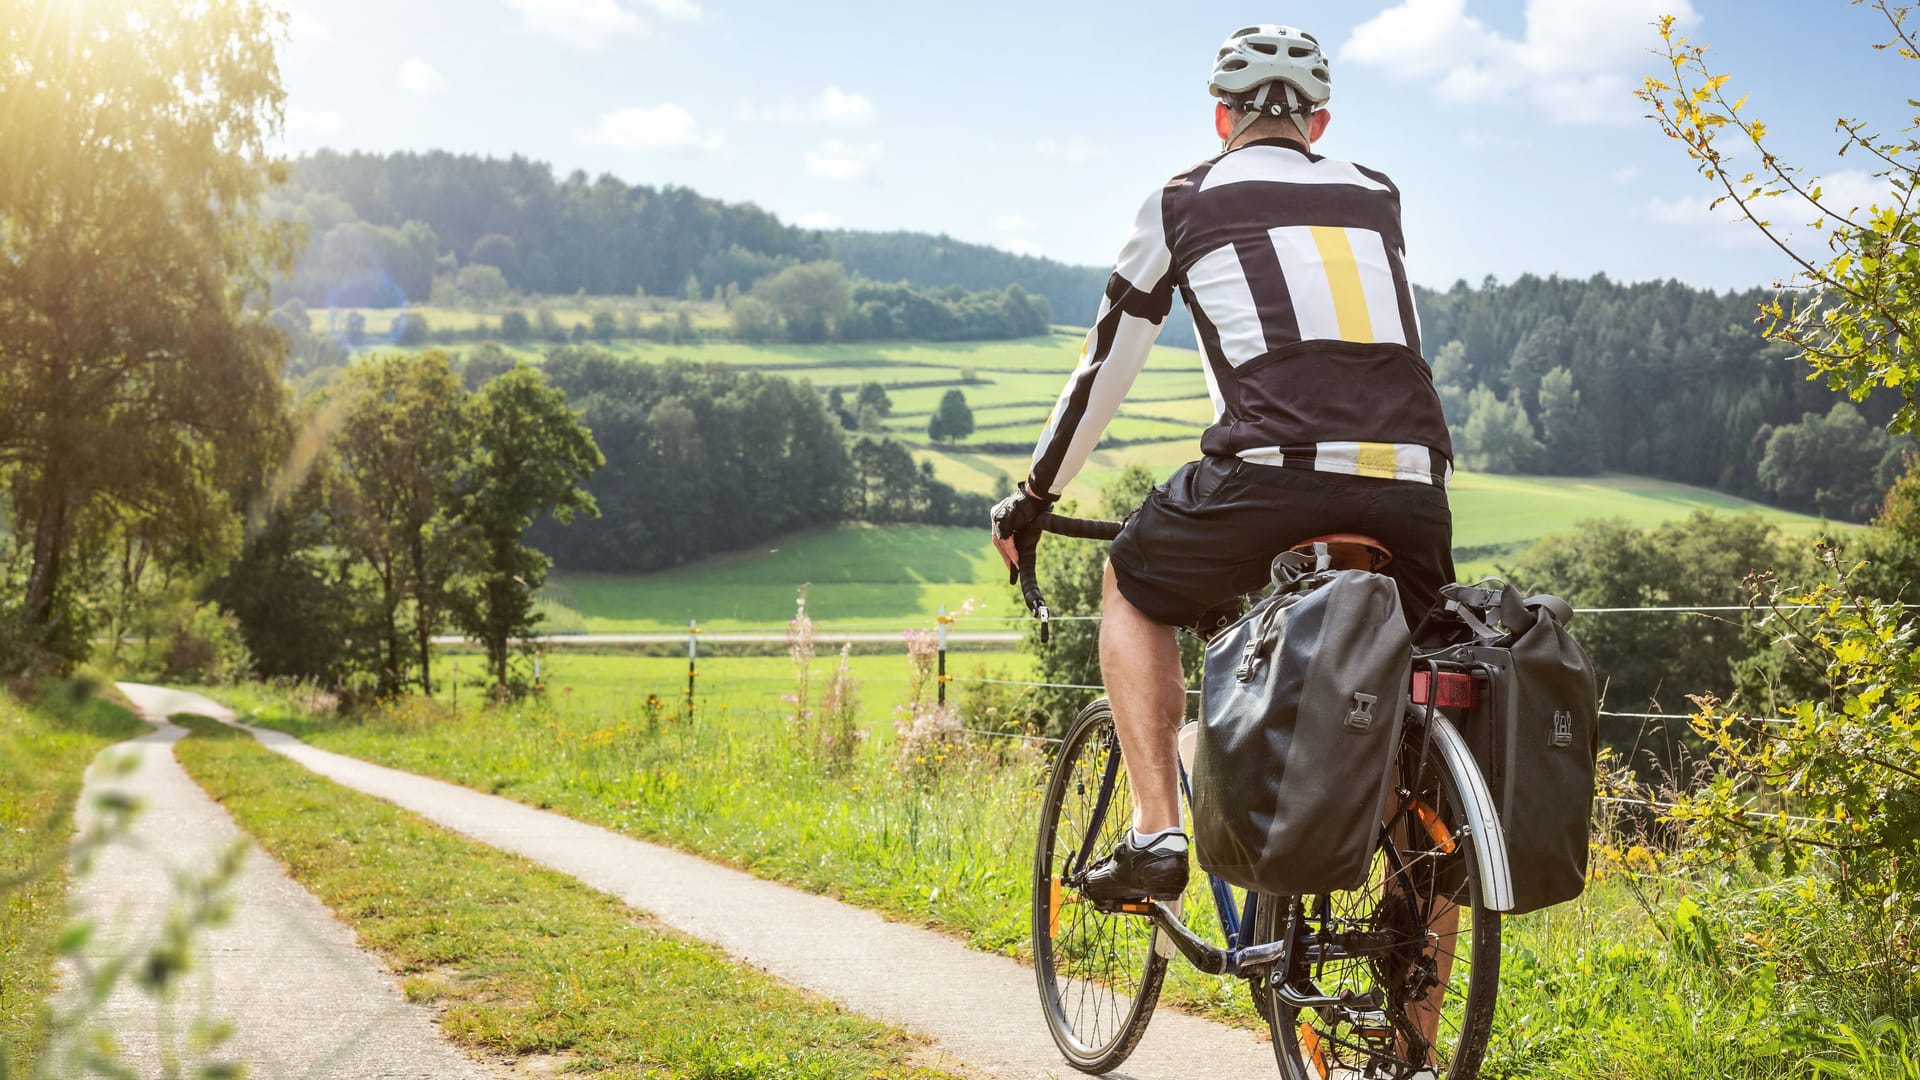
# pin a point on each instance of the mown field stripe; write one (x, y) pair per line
(523, 961)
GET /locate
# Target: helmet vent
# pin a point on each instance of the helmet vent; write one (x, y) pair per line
(1267, 47)
(1321, 74)
(1234, 64)
(1298, 52)
(1244, 31)
(1309, 37)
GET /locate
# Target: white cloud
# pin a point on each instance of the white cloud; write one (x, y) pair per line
(587, 24)
(419, 77)
(313, 122)
(834, 107)
(305, 29)
(837, 160)
(837, 106)
(817, 219)
(1074, 150)
(662, 127)
(1021, 246)
(1788, 216)
(1578, 61)
(677, 10)
(1625, 174)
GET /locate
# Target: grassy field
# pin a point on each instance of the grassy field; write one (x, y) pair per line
(742, 692)
(1615, 984)
(525, 962)
(888, 577)
(45, 747)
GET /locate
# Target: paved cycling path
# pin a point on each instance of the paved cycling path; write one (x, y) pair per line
(980, 1009)
(305, 1000)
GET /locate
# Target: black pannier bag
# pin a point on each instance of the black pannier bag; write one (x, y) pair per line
(1300, 716)
(1534, 730)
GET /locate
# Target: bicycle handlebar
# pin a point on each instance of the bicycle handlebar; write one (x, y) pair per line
(1028, 543)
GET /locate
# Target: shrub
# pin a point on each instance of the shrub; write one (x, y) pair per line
(203, 644)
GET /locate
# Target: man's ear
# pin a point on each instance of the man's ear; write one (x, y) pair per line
(1222, 119)
(1317, 126)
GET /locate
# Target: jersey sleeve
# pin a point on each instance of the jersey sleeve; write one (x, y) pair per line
(1139, 294)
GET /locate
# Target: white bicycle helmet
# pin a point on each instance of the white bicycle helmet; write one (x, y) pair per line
(1255, 59)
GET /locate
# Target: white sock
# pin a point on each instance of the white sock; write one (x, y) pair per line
(1168, 839)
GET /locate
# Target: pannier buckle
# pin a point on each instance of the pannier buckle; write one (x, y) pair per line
(1562, 728)
(1360, 717)
(1249, 660)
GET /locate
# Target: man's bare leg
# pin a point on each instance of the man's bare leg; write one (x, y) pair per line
(1140, 664)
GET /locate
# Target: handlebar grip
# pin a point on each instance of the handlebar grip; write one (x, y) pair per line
(1080, 528)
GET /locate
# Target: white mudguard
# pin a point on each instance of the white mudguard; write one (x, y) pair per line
(1489, 842)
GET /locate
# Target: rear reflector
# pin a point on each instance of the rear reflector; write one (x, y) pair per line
(1456, 690)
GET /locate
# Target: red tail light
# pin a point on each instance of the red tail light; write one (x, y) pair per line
(1456, 690)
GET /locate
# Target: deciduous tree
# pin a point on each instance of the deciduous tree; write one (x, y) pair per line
(529, 455)
(137, 368)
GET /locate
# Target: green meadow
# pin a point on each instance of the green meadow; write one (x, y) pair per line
(890, 577)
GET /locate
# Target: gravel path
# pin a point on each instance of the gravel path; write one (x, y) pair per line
(981, 1010)
(305, 1000)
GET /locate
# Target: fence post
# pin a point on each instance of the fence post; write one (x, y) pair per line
(693, 655)
(942, 680)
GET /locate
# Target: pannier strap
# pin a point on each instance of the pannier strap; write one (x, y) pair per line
(1479, 605)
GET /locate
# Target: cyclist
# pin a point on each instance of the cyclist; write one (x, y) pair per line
(1326, 417)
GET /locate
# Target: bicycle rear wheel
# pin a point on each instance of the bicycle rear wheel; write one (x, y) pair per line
(1098, 972)
(1418, 972)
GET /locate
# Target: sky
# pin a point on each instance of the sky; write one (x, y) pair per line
(1039, 127)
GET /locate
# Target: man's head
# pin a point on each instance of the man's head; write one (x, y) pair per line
(1272, 82)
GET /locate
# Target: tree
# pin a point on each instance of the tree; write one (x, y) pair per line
(1836, 465)
(482, 284)
(1854, 314)
(136, 368)
(605, 326)
(953, 420)
(485, 362)
(530, 454)
(874, 396)
(514, 326)
(400, 442)
(809, 297)
(356, 328)
(499, 252)
(1567, 429)
(1498, 435)
(755, 321)
(1657, 658)
(410, 328)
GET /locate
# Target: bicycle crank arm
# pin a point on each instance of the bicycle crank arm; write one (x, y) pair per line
(1208, 959)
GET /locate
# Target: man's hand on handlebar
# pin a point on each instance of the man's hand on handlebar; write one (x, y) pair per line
(1016, 528)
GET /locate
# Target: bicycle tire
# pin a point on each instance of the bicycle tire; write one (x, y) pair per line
(1310, 1044)
(1099, 974)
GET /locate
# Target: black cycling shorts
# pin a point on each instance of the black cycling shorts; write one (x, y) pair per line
(1208, 536)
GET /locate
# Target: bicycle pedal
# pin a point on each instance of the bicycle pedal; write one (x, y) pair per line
(1371, 1024)
(1163, 943)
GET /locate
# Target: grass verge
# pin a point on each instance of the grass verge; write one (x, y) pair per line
(522, 961)
(45, 747)
(1630, 982)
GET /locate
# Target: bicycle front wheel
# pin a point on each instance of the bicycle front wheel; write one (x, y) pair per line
(1399, 975)
(1098, 971)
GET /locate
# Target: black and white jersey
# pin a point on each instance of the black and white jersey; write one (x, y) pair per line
(1293, 267)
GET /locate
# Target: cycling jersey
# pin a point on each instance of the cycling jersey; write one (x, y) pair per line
(1293, 267)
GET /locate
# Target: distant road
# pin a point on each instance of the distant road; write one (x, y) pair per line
(756, 638)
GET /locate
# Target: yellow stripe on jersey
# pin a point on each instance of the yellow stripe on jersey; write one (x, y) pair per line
(1377, 459)
(1343, 280)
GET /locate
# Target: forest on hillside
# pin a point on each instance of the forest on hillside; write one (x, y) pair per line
(380, 228)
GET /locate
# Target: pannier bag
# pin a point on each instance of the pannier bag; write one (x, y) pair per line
(1300, 716)
(1534, 730)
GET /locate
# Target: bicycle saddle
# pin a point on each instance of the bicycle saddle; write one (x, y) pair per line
(1347, 551)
